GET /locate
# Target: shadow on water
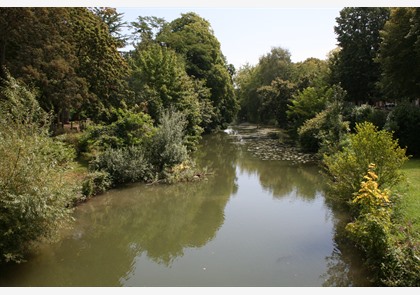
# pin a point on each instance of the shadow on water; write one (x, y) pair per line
(163, 222)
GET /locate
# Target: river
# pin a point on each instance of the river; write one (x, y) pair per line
(253, 222)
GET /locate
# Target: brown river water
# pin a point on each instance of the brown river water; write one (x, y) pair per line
(254, 222)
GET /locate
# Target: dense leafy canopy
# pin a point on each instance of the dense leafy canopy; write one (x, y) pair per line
(160, 82)
(358, 36)
(192, 37)
(68, 54)
(400, 54)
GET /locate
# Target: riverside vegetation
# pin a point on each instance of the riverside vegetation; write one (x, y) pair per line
(144, 112)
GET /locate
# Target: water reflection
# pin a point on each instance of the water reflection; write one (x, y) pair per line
(281, 179)
(153, 229)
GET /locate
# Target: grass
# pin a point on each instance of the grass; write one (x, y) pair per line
(410, 203)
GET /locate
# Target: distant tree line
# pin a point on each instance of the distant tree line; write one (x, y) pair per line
(374, 66)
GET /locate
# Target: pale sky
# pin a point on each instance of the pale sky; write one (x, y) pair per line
(246, 29)
(245, 34)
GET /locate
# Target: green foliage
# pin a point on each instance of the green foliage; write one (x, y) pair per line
(145, 29)
(367, 113)
(305, 105)
(275, 64)
(167, 146)
(273, 100)
(113, 20)
(399, 54)
(265, 89)
(324, 132)
(390, 250)
(68, 53)
(131, 128)
(73, 140)
(95, 183)
(39, 51)
(123, 165)
(310, 132)
(159, 81)
(193, 39)
(33, 195)
(401, 265)
(99, 62)
(247, 81)
(135, 154)
(312, 72)
(368, 145)
(404, 121)
(358, 36)
(372, 227)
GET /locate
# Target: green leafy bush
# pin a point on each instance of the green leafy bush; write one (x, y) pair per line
(124, 165)
(368, 145)
(310, 133)
(391, 255)
(167, 146)
(131, 128)
(305, 105)
(33, 195)
(324, 132)
(372, 227)
(404, 121)
(367, 113)
(96, 182)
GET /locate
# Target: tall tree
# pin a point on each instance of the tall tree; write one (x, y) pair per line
(247, 82)
(114, 21)
(400, 54)
(273, 100)
(275, 64)
(192, 37)
(145, 29)
(100, 63)
(265, 89)
(68, 54)
(358, 36)
(12, 30)
(160, 83)
(38, 50)
(312, 72)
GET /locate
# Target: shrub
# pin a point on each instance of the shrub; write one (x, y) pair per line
(124, 165)
(404, 121)
(167, 146)
(72, 140)
(131, 128)
(305, 105)
(33, 195)
(309, 133)
(372, 227)
(391, 256)
(95, 183)
(368, 145)
(367, 113)
(324, 132)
